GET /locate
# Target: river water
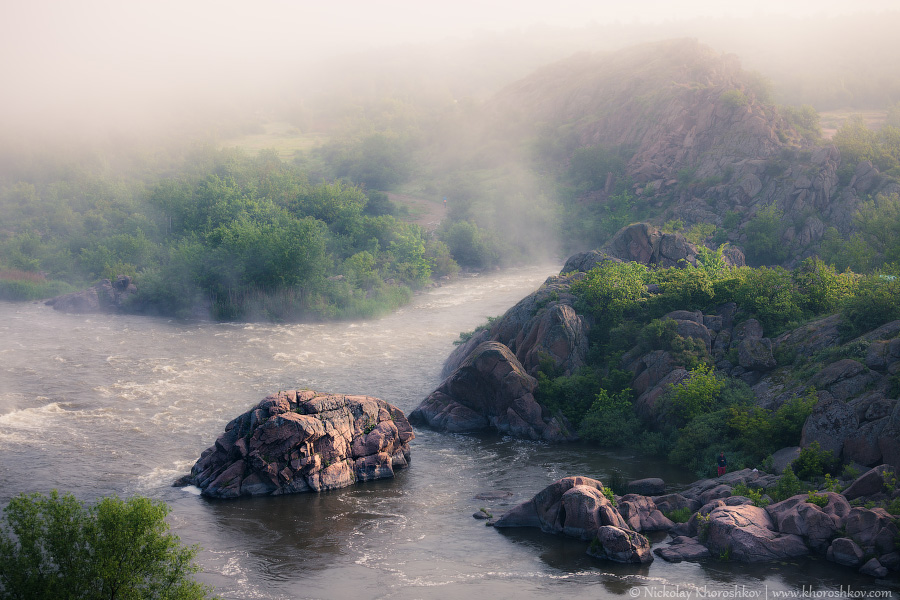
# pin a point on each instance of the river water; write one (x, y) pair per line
(98, 405)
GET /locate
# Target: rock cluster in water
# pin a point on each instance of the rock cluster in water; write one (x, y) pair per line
(301, 441)
(577, 507)
(103, 297)
(723, 525)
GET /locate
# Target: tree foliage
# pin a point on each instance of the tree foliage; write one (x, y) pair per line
(611, 289)
(55, 547)
(764, 230)
(242, 237)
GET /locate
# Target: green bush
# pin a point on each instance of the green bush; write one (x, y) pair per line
(610, 419)
(769, 294)
(755, 495)
(788, 485)
(764, 245)
(679, 515)
(734, 98)
(611, 289)
(696, 395)
(18, 290)
(814, 462)
(877, 301)
(821, 288)
(759, 432)
(610, 495)
(697, 445)
(820, 500)
(55, 547)
(469, 246)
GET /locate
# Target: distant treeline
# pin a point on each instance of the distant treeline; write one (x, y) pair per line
(237, 236)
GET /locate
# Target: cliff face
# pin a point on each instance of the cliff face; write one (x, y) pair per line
(705, 139)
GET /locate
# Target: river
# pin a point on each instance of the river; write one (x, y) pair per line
(98, 405)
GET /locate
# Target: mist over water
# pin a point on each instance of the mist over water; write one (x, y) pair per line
(98, 405)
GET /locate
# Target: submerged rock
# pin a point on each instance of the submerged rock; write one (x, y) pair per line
(300, 441)
(683, 548)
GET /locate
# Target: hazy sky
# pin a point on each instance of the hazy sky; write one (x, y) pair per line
(114, 55)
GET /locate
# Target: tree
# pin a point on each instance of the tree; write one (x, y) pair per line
(764, 244)
(55, 547)
(611, 289)
(696, 395)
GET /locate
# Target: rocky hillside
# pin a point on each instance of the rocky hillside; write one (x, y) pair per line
(705, 143)
(490, 378)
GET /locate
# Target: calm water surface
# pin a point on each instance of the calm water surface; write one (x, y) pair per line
(100, 405)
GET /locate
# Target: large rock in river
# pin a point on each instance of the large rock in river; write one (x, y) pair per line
(103, 297)
(577, 507)
(490, 390)
(300, 441)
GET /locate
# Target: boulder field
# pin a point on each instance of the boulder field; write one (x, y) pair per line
(722, 525)
(302, 441)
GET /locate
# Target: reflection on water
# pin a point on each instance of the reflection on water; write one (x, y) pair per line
(102, 405)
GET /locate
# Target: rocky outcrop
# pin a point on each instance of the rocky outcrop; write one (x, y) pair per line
(642, 514)
(724, 526)
(815, 524)
(756, 354)
(301, 441)
(868, 484)
(490, 390)
(845, 551)
(103, 297)
(783, 458)
(873, 529)
(831, 422)
(585, 261)
(746, 533)
(620, 545)
(646, 244)
(682, 548)
(543, 325)
(577, 507)
(732, 527)
(701, 151)
(857, 415)
(650, 486)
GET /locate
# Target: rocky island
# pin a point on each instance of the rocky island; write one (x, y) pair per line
(301, 441)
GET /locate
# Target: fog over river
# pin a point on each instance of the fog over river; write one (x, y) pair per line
(98, 405)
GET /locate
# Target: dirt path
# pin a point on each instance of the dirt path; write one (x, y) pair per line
(425, 213)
